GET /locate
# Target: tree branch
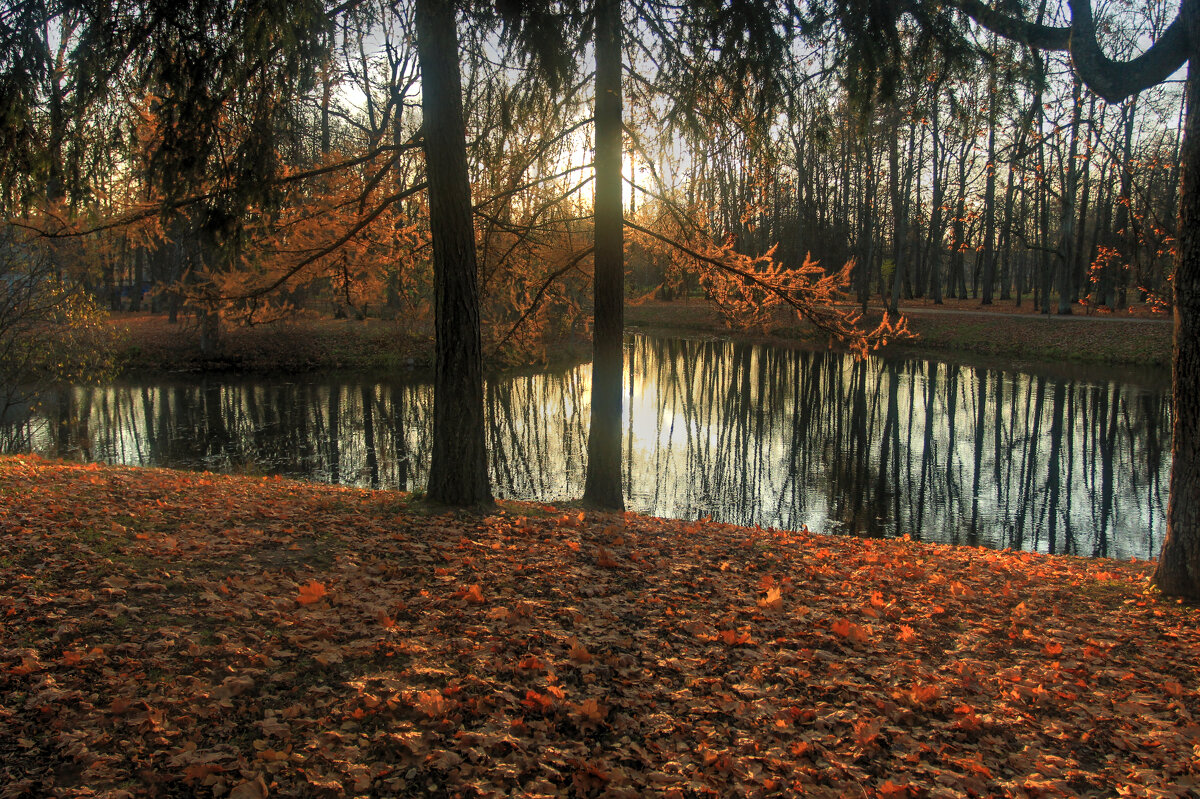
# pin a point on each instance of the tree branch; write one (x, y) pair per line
(1112, 80)
(321, 253)
(1116, 80)
(537, 299)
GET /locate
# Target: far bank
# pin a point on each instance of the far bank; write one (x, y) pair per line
(953, 331)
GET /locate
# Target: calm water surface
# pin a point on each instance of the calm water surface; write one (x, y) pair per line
(744, 433)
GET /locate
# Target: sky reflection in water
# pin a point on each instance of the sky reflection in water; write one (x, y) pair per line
(744, 433)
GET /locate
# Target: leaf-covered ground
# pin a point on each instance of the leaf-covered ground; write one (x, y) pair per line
(173, 634)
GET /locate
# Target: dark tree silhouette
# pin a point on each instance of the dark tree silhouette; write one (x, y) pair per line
(602, 487)
(458, 470)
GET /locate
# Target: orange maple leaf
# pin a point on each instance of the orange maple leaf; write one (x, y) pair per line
(579, 653)
(735, 638)
(968, 720)
(592, 710)
(471, 593)
(923, 694)
(850, 630)
(535, 701)
(311, 593)
(604, 559)
(431, 703)
(773, 601)
(866, 731)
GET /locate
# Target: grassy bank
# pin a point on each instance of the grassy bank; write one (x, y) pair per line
(150, 345)
(307, 344)
(959, 328)
(177, 634)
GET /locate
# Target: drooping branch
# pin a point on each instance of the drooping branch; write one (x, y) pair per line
(808, 291)
(330, 248)
(1112, 80)
(151, 209)
(541, 292)
(1116, 80)
(1043, 37)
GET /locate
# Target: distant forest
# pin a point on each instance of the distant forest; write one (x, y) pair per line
(985, 170)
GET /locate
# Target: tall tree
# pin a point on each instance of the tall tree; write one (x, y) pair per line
(602, 486)
(458, 470)
(1178, 571)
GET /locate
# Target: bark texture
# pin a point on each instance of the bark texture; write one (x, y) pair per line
(458, 469)
(602, 485)
(1178, 570)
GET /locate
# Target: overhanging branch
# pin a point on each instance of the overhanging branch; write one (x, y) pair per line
(1112, 80)
(541, 292)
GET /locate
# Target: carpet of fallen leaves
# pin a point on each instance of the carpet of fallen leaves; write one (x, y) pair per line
(174, 634)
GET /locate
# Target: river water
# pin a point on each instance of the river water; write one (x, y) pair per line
(739, 432)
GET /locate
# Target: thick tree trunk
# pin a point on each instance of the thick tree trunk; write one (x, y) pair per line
(1178, 570)
(602, 485)
(458, 469)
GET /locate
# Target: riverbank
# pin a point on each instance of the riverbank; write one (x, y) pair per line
(167, 633)
(955, 329)
(304, 344)
(151, 345)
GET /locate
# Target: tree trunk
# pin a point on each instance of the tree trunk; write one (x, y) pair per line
(935, 219)
(1042, 299)
(899, 222)
(602, 485)
(989, 205)
(1118, 283)
(1066, 243)
(458, 469)
(1178, 571)
(1082, 252)
(958, 269)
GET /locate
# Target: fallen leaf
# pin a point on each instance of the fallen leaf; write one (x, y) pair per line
(312, 592)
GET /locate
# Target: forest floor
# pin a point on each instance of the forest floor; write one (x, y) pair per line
(959, 328)
(173, 634)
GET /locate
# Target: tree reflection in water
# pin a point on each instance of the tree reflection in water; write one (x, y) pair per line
(743, 433)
